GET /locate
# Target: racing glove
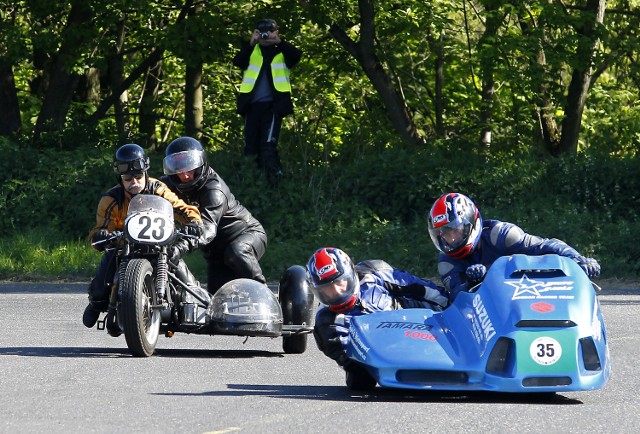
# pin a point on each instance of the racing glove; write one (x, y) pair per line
(99, 240)
(589, 265)
(475, 273)
(177, 250)
(195, 229)
(413, 290)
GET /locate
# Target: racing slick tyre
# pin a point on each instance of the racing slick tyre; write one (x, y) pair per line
(296, 300)
(140, 321)
(357, 378)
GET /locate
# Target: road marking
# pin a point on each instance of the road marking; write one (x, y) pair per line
(223, 431)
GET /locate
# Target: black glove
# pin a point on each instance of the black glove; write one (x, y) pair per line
(475, 273)
(589, 265)
(99, 239)
(413, 290)
(177, 250)
(195, 229)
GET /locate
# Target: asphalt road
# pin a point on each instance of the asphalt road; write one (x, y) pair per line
(56, 376)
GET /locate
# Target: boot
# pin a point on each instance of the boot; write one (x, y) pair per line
(90, 316)
(113, 328)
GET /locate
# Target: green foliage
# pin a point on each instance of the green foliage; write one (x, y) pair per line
(349, 180)
(374, 207)
(45, 253)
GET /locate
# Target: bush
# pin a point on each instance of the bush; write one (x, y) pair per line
(373, 207)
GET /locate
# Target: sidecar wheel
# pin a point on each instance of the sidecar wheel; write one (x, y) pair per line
(140, 321)
(296, 300)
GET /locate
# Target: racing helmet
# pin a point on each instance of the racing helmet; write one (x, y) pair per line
(333, 279)
(182, 155)
(130, 159)
(455, 225)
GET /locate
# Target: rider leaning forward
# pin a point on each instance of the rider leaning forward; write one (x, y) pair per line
(468, 245)
(347, 290)
(131, 165)
(234, 240)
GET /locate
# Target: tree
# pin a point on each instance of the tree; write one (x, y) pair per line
(63, 81)
(581, 76)
(364, 51)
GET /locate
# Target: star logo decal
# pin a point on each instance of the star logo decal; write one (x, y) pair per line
(527, 288)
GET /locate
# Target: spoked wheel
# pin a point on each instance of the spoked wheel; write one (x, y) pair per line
(141, 322)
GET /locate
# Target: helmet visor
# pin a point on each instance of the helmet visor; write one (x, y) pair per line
(451, 236)
(183, 162)
(336, 292)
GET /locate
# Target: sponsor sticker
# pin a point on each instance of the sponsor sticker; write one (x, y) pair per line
(425, 336)
(542, 307)
(529, 289)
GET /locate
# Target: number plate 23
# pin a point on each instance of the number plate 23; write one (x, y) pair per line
(149, 228)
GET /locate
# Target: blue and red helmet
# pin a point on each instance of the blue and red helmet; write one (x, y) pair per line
(455, 225)
(333, 278)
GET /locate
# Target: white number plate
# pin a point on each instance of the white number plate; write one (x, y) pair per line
(149, 228)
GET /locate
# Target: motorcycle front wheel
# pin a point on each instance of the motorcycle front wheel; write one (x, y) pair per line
(140, 321)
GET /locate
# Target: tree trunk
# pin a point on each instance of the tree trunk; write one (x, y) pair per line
(364, 52)
(436, 47)
(193, 101)
(9, 105)
(89, 87)
(154, 57)
(63, 82)
(116, 77)
(148, 105)
(581, 78)
(193, 111)
(547, 132)
(487, 66)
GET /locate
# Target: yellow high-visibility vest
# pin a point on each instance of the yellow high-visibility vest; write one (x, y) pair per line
(279, 72)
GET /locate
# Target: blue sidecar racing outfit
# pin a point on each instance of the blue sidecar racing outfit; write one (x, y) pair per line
(382, 287)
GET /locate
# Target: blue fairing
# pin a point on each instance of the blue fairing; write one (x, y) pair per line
(533, 325)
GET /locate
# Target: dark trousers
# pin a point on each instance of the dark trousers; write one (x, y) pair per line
(237, 259)
(100, 286)
(261, 132)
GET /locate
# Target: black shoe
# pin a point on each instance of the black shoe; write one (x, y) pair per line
(90, 316)
(113, 328)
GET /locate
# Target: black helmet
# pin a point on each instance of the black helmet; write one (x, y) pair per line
(130, 160)
(182, 155)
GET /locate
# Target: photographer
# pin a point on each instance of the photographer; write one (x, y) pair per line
(265, 93)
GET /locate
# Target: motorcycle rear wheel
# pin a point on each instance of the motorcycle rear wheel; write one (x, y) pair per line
(141, 322)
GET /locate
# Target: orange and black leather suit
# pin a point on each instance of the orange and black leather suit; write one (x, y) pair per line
(112, 211)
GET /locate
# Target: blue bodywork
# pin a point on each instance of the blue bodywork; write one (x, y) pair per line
(533, 325)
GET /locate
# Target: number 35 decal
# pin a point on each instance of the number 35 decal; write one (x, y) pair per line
(545, 351)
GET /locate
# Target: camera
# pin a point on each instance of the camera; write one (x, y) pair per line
(264, 35)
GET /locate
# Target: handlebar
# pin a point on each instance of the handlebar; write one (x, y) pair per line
(114, 236)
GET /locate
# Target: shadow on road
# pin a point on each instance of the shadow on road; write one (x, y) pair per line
(124, 352)
(337, 393)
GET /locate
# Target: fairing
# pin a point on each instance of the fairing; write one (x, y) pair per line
(533, 325)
